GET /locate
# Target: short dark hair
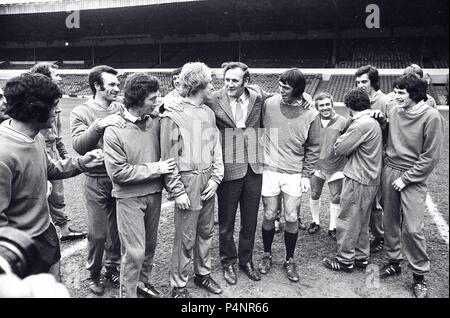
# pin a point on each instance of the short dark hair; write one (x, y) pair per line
(95, 75)
(295, 79)
(31, 97)
(357, 99)
(138, 87)
(226, 66)
(175, 72)
(44, 68)
(415, 86)
(372, 73)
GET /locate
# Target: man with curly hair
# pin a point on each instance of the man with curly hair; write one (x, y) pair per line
(56, 149)
(362, 145)
(25, 167)
(368, 78)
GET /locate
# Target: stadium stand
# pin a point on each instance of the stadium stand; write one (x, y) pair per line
(380, 53)
(75, 85)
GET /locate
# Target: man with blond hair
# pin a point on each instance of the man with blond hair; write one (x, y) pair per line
(190, 136)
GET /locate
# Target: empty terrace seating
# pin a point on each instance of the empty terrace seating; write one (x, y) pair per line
(338, 85)
(269, 82)
(381, 53)
(75, 84)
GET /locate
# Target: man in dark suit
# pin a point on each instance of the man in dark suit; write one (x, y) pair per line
(237, 107)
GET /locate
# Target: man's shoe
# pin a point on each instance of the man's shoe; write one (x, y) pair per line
(301, 226)
(113, 275)
(148, 291)
(266, 263)
(229, 274)
(73, 235)
(420, 289)
(251, 271)
(180, 293)
(376, 245)
(361, 263)
(313, 228)
(335, 265)
(208, 283)
(332, 234)
(290, 269)
(96, 285)
(390, 269)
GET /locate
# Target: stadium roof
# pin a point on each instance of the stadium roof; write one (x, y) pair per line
(43, 6)
(160, 19)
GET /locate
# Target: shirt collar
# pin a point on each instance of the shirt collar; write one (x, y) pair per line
(244, 97)
(9, 130)
(417, 108)
(360, 114)
(375, 96)
(129, 116)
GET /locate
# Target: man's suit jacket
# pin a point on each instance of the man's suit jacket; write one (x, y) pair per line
(241, 147)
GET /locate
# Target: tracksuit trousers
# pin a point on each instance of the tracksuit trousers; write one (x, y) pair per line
(352, 227)
(193, 232)
(57, 204)
(102, 225)
(137, 222)
(376, 217)
(404, 213)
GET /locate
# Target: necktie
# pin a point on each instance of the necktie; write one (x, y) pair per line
(239, 111)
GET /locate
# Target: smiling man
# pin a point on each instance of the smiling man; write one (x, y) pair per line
(88, 122)
(330, 166)
(415, 140)
(292, 142)
(132, 159)
(237, 108)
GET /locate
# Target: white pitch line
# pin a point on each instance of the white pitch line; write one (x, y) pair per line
(441, 224)
(82, 244)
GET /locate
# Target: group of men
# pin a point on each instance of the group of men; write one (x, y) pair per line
(239, 142)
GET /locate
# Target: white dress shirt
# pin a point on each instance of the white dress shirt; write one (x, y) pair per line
(244, 99)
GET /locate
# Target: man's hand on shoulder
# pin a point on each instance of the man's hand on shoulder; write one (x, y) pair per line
(112, 120)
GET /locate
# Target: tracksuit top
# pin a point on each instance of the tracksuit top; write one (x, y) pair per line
(362, 144)
(53, 139)
(190, 137)
(329, 162)
(86, 133)
(132, 157)
(414, 142)
(292, 137)
(380, 101)
(24, 171)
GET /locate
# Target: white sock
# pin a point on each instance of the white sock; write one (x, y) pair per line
(335, 210)
(314, 206)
